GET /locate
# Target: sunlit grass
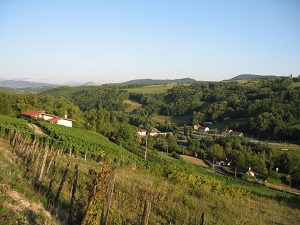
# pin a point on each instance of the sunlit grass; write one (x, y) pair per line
(133, 105)
(185, 119)
(152, 89)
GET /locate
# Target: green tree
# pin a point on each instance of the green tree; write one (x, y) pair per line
(216, 151)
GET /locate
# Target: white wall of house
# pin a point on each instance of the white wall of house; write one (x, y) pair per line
(46, 117)
(142, 133)
(66, 123)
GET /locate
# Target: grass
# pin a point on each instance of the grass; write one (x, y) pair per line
(297, 126)
(152, 89)
(292, 148)
(17, 187)
(179, 192)
(179, 203)
(185, 119)
(222, 125)
(133, 105)
(295, 84)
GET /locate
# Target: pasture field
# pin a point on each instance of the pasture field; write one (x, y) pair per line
(295, 126)
(295, 84)
(185, 119)
(222, 124)
(133, 105)
(152, 89)
(288, 148)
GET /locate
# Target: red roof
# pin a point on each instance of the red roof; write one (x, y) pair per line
(43, 112)
(33, 113)
(54, 119)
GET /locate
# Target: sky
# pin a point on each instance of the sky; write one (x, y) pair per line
(115, 41)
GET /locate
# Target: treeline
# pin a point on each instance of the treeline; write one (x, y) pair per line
(271, 106)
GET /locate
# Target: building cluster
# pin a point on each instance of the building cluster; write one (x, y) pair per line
(41, 114)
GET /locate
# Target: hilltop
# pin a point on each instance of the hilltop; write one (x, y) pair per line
(252, 77)
(162, 81)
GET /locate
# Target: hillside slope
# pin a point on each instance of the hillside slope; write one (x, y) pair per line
(179, 192)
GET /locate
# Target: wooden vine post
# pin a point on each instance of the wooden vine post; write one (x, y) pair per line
(43, 163)
(49, 193)
(203, 219)
(71, 210)
(62, 183)
(108, 198)
(146, 213)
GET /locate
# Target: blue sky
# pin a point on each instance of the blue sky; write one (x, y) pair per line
(115, 41)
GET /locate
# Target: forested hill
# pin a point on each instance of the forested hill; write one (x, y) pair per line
(252, 77)
(151, 81)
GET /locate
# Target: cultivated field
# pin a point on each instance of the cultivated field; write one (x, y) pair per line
(194, 160)
(133, 105)
(152, 89)
(186, 119)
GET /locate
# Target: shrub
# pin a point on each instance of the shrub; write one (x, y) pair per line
(175, 155)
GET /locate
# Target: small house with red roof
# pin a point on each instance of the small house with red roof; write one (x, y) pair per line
(41, 114)
(200, 128)
(226, 132)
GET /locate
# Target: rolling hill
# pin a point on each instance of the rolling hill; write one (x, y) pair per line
(252, 77)
(151, 81)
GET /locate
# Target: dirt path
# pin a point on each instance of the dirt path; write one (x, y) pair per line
(36, 129)
(194, 160)
(23, 204)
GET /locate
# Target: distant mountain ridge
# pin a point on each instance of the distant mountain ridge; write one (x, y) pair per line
(252, 77)
(24, 84)
(152, 81)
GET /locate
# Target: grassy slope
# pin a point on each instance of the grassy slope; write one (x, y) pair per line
(173, 201)
(19, 202)
(174, 119)
(180, 192)
(133, 105)
(152, 89)
(295, 84)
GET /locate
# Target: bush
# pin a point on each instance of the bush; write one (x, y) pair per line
(175, 155)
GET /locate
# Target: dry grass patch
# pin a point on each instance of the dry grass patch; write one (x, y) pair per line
(194, 160)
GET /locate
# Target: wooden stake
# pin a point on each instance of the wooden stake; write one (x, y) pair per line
(146, 213)
(203, 219)
(43, 163)
(62, 183)
(108, 198)
(71, 211)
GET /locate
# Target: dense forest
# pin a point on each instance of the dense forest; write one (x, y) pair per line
(270, 108)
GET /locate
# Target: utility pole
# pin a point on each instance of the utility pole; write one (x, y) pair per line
(146, 147)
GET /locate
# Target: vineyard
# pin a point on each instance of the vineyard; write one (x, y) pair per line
(72, 170)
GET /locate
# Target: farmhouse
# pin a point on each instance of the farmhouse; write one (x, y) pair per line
(200, 128)
(226, 132)
(237, 133)
(144, 132)
(247, 171)
(41, 114)
(226, 162)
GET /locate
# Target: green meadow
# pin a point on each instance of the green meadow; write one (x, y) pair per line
(152, 89)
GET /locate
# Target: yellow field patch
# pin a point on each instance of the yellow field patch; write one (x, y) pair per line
(133, 105)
